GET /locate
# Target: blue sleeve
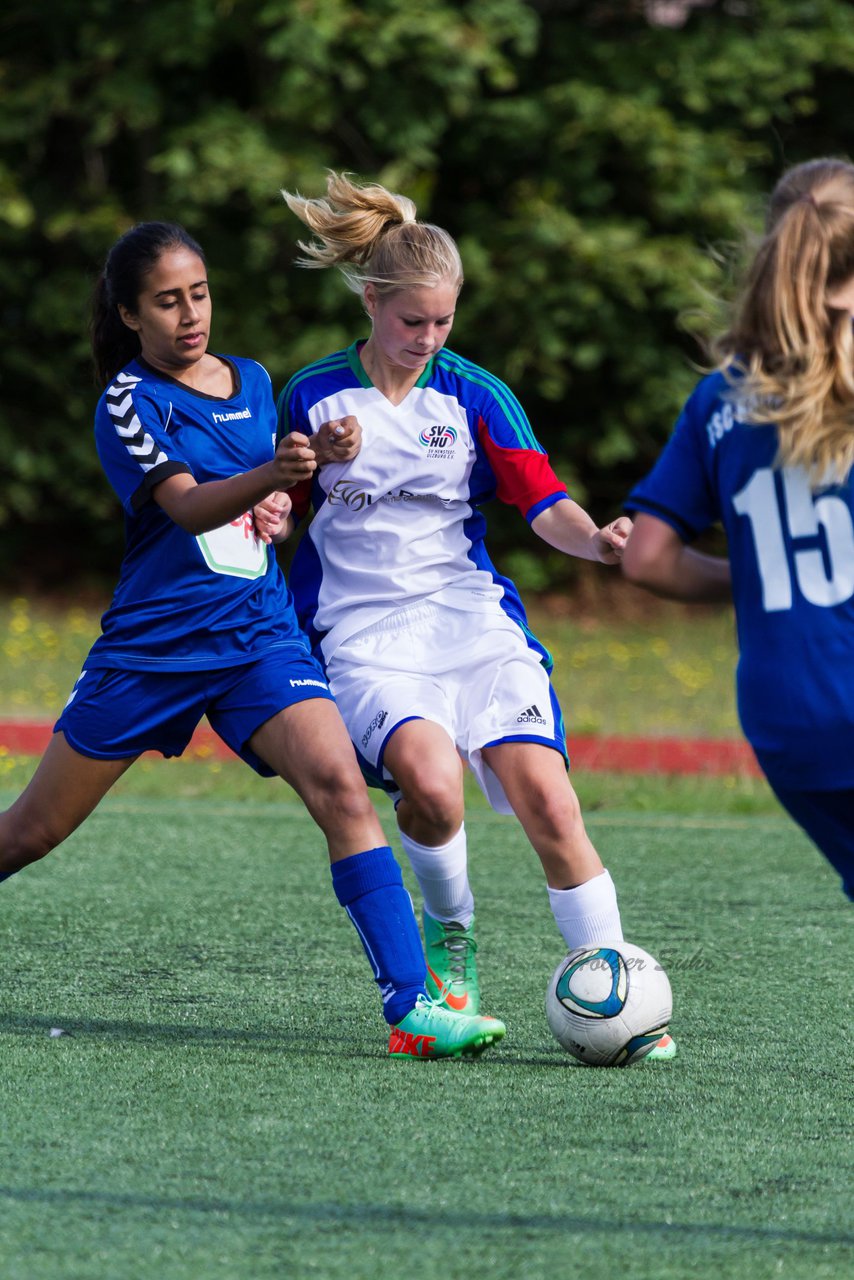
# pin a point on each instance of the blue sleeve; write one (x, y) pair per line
(133, 445)
(681, 489)
(291, 413)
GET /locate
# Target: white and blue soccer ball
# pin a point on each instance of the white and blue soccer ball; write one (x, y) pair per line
(609, 1004)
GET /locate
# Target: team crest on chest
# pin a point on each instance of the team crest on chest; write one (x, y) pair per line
(438, 440)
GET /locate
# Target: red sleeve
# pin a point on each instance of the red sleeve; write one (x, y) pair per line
(300, 496)
(524, 478)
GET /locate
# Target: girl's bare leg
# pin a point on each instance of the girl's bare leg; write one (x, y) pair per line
(61, 794)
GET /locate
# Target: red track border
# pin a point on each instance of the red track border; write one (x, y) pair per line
(713, 756)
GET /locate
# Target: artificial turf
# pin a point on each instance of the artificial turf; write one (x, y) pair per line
(219, 1105)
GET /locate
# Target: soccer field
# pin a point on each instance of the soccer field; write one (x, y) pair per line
(220, 1106)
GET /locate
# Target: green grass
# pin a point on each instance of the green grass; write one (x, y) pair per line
(191, 778)
(221, 1108)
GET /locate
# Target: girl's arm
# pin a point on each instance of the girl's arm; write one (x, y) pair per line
(656, 558)
(567, 526)
(199, 508)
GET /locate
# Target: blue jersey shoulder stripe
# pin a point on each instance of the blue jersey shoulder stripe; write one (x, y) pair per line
(505, 398)
(329, 364)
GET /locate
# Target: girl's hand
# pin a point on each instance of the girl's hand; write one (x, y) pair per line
(271, 518)
(337, 441)
(610, 541)
(295, 460)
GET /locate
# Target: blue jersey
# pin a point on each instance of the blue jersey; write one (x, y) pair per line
(401, 521)
(791, 550)
(187, 602)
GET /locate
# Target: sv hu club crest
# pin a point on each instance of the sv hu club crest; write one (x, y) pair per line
(438, 437)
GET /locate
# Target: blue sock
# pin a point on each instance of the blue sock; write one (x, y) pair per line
(4, 875)
(369, 887)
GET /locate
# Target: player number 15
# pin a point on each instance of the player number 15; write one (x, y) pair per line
(822, 582)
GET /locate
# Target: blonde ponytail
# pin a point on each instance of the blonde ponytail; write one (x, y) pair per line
(795, 351)
(372, 236)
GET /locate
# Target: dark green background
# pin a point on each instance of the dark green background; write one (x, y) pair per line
(594, 166)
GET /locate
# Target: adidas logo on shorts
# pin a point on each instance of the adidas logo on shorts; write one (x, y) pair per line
(531, 715)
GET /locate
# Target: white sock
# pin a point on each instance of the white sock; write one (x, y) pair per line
(442, 875)
(588, 913)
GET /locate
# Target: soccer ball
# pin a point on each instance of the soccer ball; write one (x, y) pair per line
(609, 1004)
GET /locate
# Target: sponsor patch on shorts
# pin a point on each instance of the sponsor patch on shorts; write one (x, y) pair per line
(377, 723)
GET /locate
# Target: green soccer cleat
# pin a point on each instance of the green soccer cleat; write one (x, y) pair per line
(451, 965)
(431, 1030)
(664, 1051)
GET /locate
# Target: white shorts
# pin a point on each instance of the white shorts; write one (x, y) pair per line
(472, 673)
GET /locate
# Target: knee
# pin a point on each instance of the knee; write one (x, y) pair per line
(435, 795)
(21, 844)
(341, 795)
(351, 800)
(558, 809)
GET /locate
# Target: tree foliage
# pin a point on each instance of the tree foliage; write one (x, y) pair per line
(592, 165)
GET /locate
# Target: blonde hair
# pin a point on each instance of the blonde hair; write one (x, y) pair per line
(373, 237)
(795, 352)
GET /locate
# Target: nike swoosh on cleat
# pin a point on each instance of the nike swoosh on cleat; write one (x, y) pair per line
(446, 996)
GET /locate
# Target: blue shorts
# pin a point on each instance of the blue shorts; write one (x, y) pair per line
(114, 714)
(828, 819)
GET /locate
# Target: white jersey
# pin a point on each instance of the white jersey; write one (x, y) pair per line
(400, 522)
